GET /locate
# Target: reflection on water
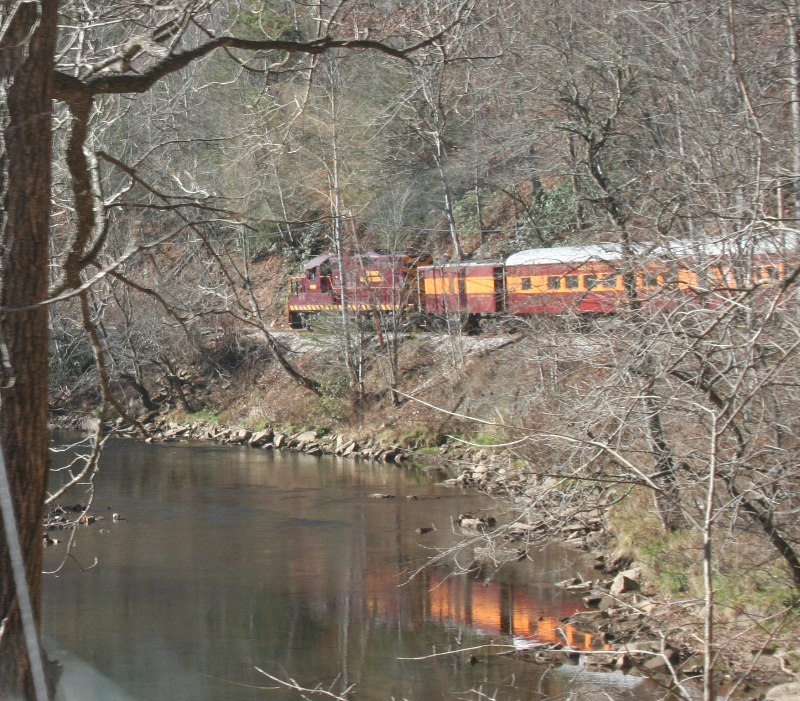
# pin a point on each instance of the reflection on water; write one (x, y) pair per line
(233, 558)
(523, 613)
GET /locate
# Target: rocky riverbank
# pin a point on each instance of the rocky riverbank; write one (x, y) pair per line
(159, 429)
(640, 629)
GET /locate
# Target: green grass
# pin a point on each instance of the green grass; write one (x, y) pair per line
(207, 415)
(741, 580)
(256, 423)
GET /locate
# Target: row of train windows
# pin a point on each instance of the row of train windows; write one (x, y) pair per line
(572, 282)
(611, 281)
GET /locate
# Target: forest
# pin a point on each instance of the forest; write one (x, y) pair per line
(167, 167)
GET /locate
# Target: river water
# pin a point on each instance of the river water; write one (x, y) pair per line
(231, 559)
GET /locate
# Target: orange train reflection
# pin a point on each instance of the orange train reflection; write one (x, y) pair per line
(500, 609)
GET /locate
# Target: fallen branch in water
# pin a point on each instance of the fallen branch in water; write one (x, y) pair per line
(292, 684)
(463, 649)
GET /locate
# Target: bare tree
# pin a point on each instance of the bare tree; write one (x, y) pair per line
(104, 50)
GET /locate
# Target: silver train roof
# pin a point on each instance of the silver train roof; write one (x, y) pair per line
(675, 250)
(565, 254)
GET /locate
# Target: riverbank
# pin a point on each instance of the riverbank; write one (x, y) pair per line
(641, 628)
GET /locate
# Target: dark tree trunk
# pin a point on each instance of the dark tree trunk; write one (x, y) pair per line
(668, 500)
(175, 382)
(26, 77)
(135, 381)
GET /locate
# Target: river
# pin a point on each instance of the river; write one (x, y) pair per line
(231, 559)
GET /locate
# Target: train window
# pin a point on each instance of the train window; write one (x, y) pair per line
(769, 271)
(610, 281)
(462, 286)
(589, 281)
(572, 282)
(526, 283)
(553, 282)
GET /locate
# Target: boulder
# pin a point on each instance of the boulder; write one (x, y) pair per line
(623, 584)
(260, 438)
(784, 692)
(348, 449)
(306, 437)
(241, 436)
(279, 440)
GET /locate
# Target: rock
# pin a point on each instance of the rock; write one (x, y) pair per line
(90, 423)
(658, 663)
(470, 523)
(784, 692)
(348, 449)
(769, 663)
(473, 524)
(691, 665)
(571, 582)
(633, 573)
(381, 496)
(279, 440)
(241, 436)
(260, 438)
(581, 587)
(607, 603)
(592, 601)
(623, 584)
(623, 662)
(306, 437)
(424, 529)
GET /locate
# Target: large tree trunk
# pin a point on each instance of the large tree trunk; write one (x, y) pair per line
(26, 74)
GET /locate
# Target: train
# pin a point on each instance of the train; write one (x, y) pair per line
(582, 280)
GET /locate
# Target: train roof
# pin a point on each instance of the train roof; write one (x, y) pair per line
(565, 254)
(462, 264)
(317, 260)
(396, 255)
(674, 250)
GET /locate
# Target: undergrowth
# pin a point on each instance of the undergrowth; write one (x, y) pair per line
(673, 561)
